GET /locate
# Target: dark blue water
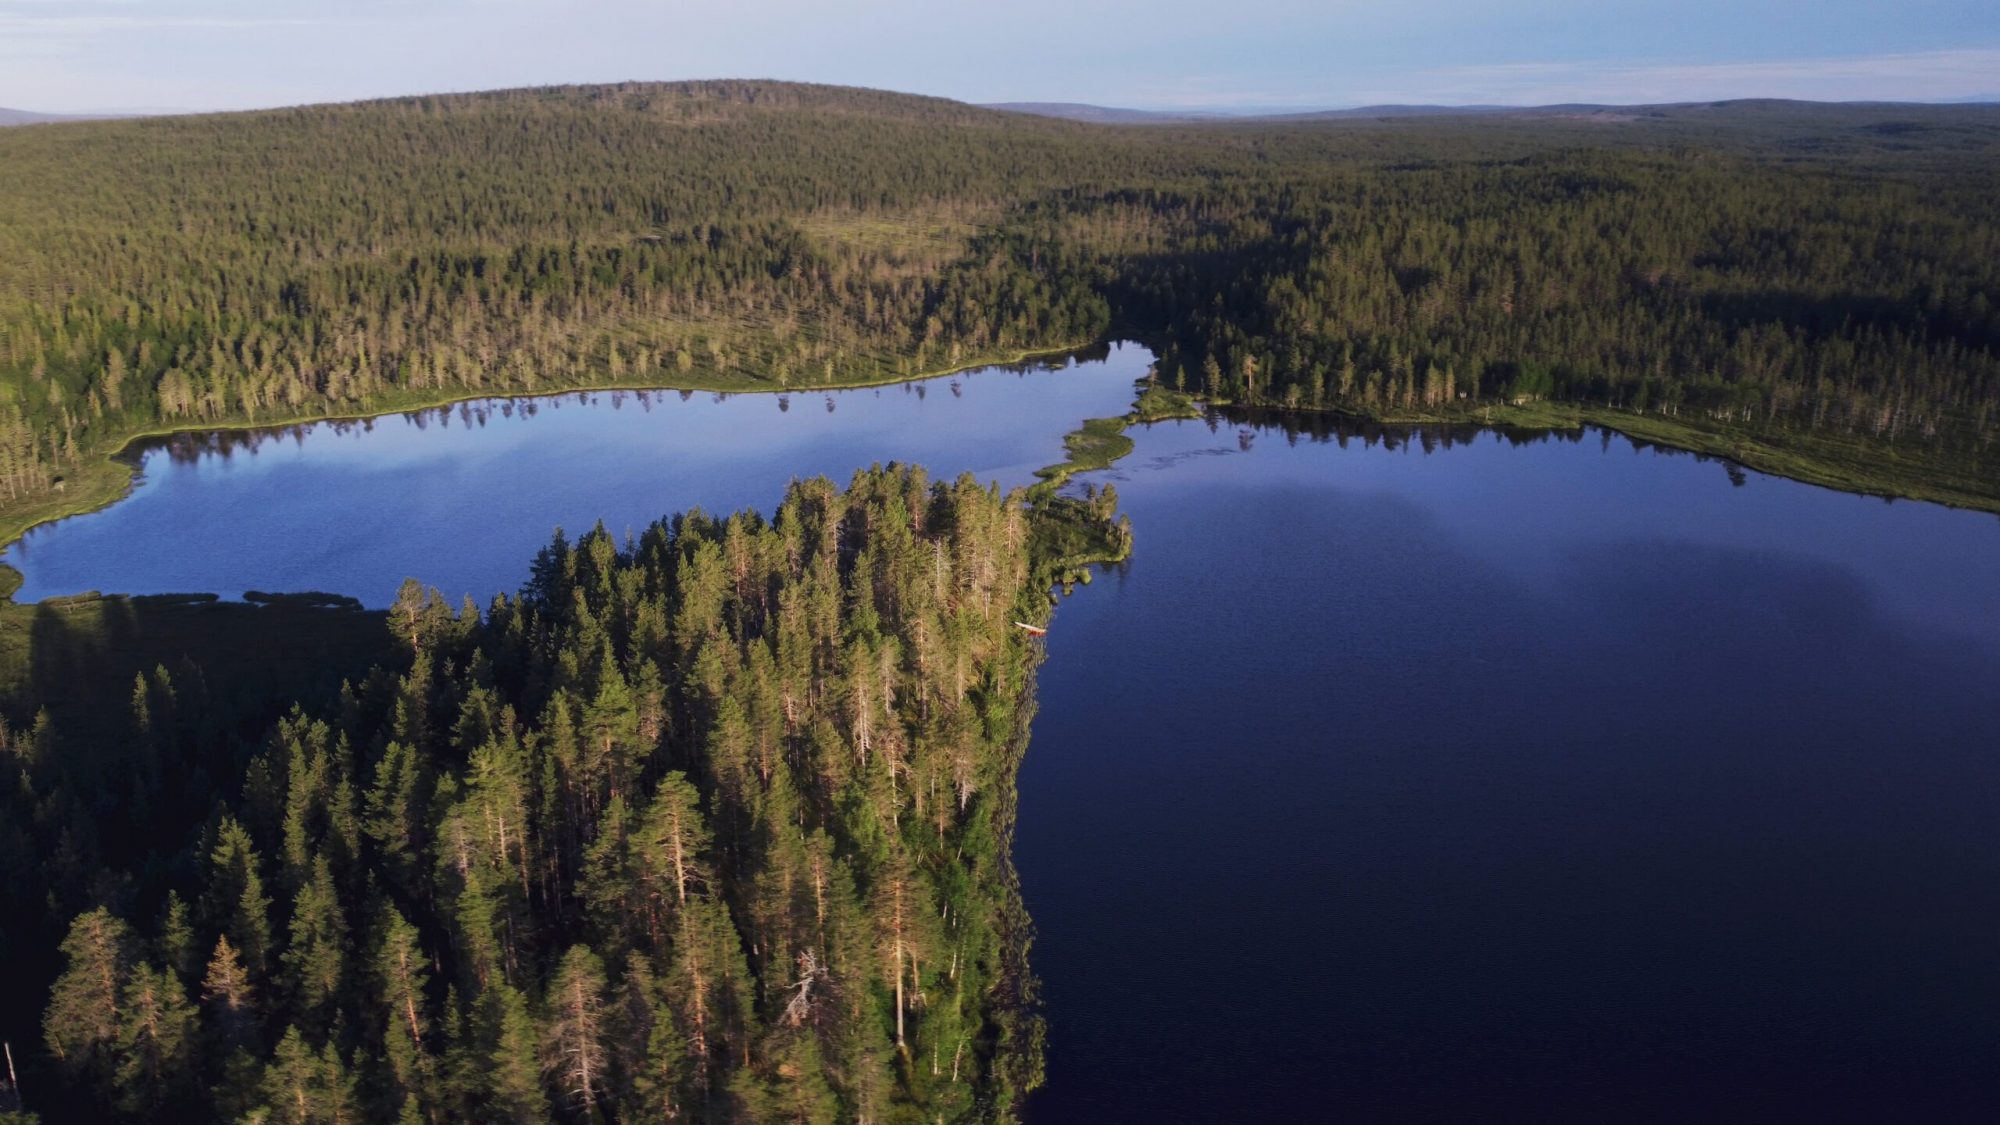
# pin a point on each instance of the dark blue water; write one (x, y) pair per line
(1545, 782)
(463, 497)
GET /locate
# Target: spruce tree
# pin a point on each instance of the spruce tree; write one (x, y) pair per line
(157, 1041)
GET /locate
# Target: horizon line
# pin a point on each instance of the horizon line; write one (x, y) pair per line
(1142, 106)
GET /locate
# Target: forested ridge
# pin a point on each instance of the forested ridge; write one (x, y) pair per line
(1801, 274)
(708, 825)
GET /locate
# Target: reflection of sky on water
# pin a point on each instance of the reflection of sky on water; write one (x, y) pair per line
(1542, 781)
(1526, 506)
(463, 496)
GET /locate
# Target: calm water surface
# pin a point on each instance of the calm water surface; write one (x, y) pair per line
(1556, 781)
(1460, 781)
(463, 497)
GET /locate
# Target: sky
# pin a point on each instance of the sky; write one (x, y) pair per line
(72, 56)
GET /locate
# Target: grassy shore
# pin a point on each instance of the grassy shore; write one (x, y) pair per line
(1830, 459)
(1851, 465)
(1833, 460)
(1101, 441)
(1071, 533)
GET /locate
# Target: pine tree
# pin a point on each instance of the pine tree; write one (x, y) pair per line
(676, 842)
(902, 916)
(573, 1051)
(177, 941)
(237, 903)
(87, 1007)
(394, 813)
(797, 1088)
(230, 997)
(304, 1086)
(402, 975)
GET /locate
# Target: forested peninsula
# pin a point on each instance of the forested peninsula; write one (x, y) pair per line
(709, 825)
(1808, 289)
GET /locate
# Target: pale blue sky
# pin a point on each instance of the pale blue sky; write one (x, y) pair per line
(83, 55)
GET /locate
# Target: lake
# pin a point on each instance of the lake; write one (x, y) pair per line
(1438, 776)
(463, 496)
(1516, 781)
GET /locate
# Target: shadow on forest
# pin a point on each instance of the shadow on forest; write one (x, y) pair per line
(148, 698)
(126, 793)
(1836, 314)
(82, 654)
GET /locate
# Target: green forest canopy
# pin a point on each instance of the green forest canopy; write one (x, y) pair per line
(710, 825)
(1802, 273)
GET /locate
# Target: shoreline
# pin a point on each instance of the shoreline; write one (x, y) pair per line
(1803, 467)
(1837, 464)
(1098, 443)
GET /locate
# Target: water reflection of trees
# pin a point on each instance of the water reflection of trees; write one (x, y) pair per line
(188, 447)
(1429, 437)
(195, 445)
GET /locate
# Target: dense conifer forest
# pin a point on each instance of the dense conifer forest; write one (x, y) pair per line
(1819, 278)
(708, 825)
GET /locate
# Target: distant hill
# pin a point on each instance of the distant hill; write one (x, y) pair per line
(1402, 111)
(1740, 109)
(1606, 111)
(24, 117)
(1111, 115)
(1103, 115)
(30, 117)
